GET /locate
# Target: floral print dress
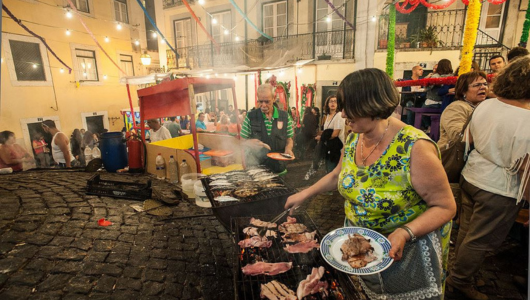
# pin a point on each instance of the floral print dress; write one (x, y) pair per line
(381, 196)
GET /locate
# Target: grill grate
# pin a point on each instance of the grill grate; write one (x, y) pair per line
(249, 287)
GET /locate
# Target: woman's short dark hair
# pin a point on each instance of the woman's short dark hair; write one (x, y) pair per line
(326, 104)
(513, 80)
(368, 93)
(463, 82)
(444, 67)
(5, 135)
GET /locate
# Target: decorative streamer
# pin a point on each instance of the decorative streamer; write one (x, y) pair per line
(466, 2)
(200, 24)
(158, 30)
(19, 22)
(404, 10)
(391, 41)
(526, 29)
(437, 6)
(339, 14)
(470, 35)
(247, 19)
(434, 81)
(72, 6)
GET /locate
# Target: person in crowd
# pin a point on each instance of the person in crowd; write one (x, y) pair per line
(12, 155)
(409, 99)
(40, 147)
(88, 140)
(308, 132)
(497, 63)
(471, 89)
(233, 126)
(158, 132)
(231, 110)
(331, 140)
(316, 112)
(223, 125)
(267, 129)
(184, 122)
(82, 131)
(60, 145)
(495, 178)
(95, 137)
(242, 115)
(434, 68)
(76, 141)
(174, 127)
(516, 52)
(393, 182)
(447, 91)
(199, 124)
(295, 115)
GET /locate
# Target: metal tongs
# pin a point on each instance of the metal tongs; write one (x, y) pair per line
(263, 230)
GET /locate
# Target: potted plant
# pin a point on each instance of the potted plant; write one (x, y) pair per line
(402, 41)
(416, 40)
(429, 37)
(324, 56)
(383, 43)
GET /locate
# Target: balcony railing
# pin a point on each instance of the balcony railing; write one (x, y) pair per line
(447, 24)
(256, 53)
(173, 3)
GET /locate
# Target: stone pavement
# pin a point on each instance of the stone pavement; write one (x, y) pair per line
(51, 246)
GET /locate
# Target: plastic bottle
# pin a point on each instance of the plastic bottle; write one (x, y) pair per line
(96, 153)
(88, 154)
(184, 168)
(173, 170)
(160, 167)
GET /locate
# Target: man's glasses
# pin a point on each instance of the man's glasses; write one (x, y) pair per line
(477, 85)
(332, 101)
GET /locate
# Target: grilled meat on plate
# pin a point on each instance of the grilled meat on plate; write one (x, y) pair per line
(357, 251)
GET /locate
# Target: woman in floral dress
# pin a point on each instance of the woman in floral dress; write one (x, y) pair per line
(393, 182)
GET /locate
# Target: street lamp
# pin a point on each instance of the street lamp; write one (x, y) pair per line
(146, 59)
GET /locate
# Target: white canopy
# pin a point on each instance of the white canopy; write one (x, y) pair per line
(151, 78)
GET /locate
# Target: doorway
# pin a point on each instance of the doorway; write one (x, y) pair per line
(32, 127)
(95, 122)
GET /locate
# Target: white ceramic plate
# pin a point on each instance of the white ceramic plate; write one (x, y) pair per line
(330, 250)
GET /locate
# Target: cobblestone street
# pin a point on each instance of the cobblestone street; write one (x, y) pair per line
(51, 246)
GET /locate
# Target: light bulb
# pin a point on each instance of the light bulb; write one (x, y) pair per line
(299, 70)
(84, 74)
(225, 75)
(61, 70)
(374, 19)
(162, 41)
(328, 19)
(237, 38)
(119, 27)
(89, 66)
(153, 35)
(69, 14)
(281, 73)
(235, 77)
(105, 77)
(208, 76)
(201, 2)
(216, 75)
(214, 21)
(34, 66)
(67, 31)
(227, 32)
(107, 39)
(83, 65)
(137, 42)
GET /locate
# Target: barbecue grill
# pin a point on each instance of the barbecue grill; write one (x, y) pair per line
(268, 201)
(249, 287)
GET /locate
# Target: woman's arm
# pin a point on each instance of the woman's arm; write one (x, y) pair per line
(430, 182)
(5, 155)
(326, 184)
(453, 120)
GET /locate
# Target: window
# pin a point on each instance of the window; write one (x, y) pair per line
(86, 65)
(126, 64)
(275, 18)
(27, 61)
(324, 12)
(224, 22)
(120, 11)
(82, 5)
(183, 36)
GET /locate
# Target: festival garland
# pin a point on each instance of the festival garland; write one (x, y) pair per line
(470, 35)
(335, 10)
(156, 28)
(391, 41)
(217, 47)
(249, 21)
(434, 81)
(526, 29)
(401, 8)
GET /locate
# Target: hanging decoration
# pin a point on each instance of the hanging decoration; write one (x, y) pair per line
(335, 10)
(526, 28)
(74, 9)
(200, 24)
(248, 20)
(401, 8)
(470, 35)
(496, 2)
(391, 41)
(157, 30)
(437, 6)
(19, 22)
(283, 92)
(308, 92)
(434, 81)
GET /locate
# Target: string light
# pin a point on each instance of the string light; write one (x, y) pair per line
(216, 75)
(84, 74)
(154, 35)
(208, 76)
(235, 77)
(119, 27)
(105, 77)
(68, 32)
(2, 60)
(162, 41)
(34, 66)
(328, 19)
(61, 70)
(201, 2)
(137, 42)
(68, 14)
(374, 19)
(237, 38)
(107, 39)
(225, 75)
(214, 21)
(282, 72)
(227, 32)
(299, 70)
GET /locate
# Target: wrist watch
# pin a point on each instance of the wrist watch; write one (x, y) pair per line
(413, 238)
